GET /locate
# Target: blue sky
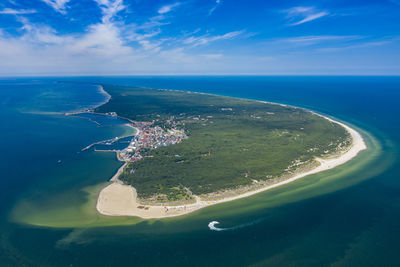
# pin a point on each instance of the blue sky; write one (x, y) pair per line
(137, 37)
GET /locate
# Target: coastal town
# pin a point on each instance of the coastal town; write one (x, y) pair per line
(149, 137)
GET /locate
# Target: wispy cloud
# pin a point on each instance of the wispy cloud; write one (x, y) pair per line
(58, 5)
(168, 8)
(206, 39)
(152, 22)
(43, 34)
(10, 11)
(144, 34)
(110, 8)
(358, 46)
(147, 45)
(217, 4)
(314, 39)
(299, 15)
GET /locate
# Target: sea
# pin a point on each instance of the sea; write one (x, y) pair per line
(348, 216)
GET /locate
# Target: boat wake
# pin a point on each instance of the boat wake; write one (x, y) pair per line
(213, 227)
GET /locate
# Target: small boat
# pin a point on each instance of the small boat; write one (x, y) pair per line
(59, 161)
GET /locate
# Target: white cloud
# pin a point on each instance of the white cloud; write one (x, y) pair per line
(311, 17)
(110, 8)
(58, 5)
(217, 4)
(10, 11)
(206, 39)
(168, 8)
(108, 47)
(103, 40)
(123, 33)
(104, 47)
(42, 49)
(299, 15)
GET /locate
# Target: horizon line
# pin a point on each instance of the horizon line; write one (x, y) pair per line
(194, 75)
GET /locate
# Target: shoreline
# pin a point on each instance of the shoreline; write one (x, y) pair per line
(91, 109)
(103, 92)
(118, 199)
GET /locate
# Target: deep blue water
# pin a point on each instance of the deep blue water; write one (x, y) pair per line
(355, 226)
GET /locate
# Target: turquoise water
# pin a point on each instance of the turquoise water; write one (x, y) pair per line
(346, 216)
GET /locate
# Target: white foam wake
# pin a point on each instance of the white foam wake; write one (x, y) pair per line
(212, 227)
(212, 224)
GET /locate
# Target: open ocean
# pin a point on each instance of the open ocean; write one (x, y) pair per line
(349, 216)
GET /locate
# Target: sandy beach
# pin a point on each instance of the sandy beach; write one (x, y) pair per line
(118, 199)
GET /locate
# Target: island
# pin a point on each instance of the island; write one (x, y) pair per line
(193, 150)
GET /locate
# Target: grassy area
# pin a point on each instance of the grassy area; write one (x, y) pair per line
(232, 142)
